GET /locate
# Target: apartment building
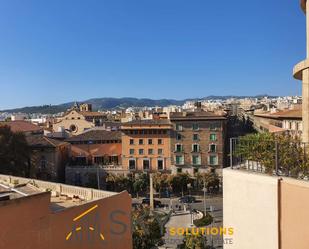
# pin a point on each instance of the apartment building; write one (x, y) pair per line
(146, 145)
(197, 142)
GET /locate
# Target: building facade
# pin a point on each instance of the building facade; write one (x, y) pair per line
(48, 158)
(197, 142)
(146, 145)
(79, 119)
(96, 147)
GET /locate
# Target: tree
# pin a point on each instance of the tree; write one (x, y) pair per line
(271, 152)
(180, 181)
(146, 229)
(14, 153)
(161, 181)
(140, 184)
(195, 242)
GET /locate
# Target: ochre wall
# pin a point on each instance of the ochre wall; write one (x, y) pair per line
(28, 223)
(294, 214)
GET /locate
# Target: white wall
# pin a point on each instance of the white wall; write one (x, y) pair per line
(250, 206)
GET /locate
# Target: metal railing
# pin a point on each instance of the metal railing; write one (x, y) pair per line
(273, 157)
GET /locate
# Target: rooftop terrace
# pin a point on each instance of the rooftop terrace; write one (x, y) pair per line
(62, 195)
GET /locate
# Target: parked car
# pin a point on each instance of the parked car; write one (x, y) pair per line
(156, 203)
(187, 199)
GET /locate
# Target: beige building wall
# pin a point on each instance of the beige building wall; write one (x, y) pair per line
(250, 206)
(74, 122)
(294, 214)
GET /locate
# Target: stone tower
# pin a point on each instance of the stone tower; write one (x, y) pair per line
(301, 72)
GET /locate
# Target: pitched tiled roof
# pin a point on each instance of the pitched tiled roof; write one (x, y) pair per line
(148, 122)
(96, 135)
(42, 141)
(22, 126)
(286, 114)
(201, 115)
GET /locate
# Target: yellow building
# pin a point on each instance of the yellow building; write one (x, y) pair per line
(146, 145)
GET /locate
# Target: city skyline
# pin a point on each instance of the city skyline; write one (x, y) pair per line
(59, 52)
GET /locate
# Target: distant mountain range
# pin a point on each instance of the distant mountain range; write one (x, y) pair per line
(116, 103)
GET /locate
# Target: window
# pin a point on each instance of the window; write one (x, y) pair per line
(141, 151)
(141, 141)
(150, 151)
(213, 137)
(196, 160)
(132, 164)
(195, 127)
(213, 127)
(160, 164)
(212, 148)
(178, 136)
(146, 164)
(179, 160)
(213, 160)
(178, 148)
(195, 137)
(195, 170)
(160, 141)
(73, 128)
(131, 151)
(98, 160)
(131, 141)
(149, 141)
(178, 127)
(160, 151)
(43, 162)
(179, 170)
(195, 148)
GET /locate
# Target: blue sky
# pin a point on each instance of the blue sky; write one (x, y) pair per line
(57, 51)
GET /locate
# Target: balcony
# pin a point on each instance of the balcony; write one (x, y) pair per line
(281, 157)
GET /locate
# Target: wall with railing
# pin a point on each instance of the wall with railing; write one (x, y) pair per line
(58, 189)
(282, 156)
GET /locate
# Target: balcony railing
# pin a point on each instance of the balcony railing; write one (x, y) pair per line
(274, 157)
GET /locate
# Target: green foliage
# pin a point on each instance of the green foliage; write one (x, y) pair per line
(210, 180)
(179, 182)
(204, 221)
(146, 229)
(263, 147)
(194, 242)
(141, 183)
(161, 181)
(131, 183)
(14, 153)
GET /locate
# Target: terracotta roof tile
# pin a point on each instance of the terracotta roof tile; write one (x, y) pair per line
(22, 126)
(96, 135)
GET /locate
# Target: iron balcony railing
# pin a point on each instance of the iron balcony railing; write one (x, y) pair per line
(274, 157)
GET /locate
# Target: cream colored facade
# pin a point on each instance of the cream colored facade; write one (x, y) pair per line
(74, 122)
(265, 211)
(250, 206)
(301, 72)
